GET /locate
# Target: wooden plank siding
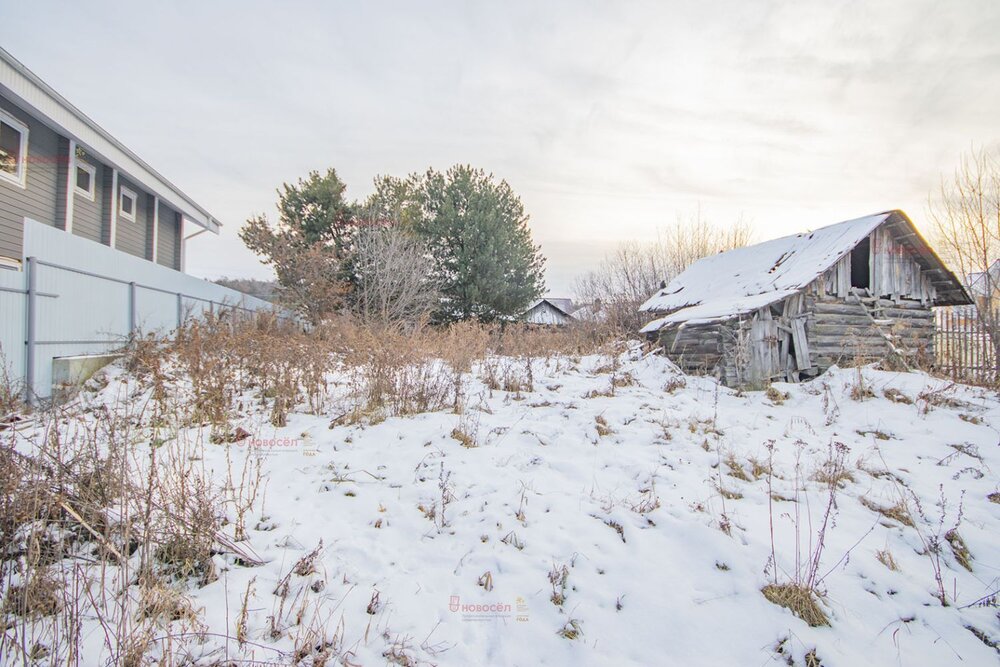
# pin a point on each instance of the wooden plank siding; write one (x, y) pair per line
(87, 215)
(38, 199)
(108, 199)
(168, 243)
(132, 235)
(62, 185)
(895, 273)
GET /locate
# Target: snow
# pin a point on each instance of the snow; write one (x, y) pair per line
(545, 489)
(742, 280)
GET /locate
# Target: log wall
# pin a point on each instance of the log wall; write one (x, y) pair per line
(695, 348)
(842, 331)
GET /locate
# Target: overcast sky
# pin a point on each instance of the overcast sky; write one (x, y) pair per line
(608, 118)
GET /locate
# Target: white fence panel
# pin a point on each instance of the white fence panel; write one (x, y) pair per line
(12, 322)
(90, 298)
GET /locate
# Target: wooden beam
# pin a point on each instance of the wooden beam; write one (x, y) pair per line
(70, 186)
(113, 222)
(156, 226)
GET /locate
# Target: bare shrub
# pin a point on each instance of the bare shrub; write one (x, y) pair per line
(634, 272)
(390, 272)
(934, 534)
(109, 513)
(964, 216)
(11, 391)
(801, 589)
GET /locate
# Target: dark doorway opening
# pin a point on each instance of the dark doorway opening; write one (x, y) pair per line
(860, 265)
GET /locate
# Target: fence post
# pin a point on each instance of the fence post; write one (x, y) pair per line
(131, 309)
(30, 337)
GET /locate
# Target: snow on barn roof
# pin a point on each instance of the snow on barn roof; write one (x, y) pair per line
(745, 279)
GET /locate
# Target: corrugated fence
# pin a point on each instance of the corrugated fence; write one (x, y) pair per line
(77, 297)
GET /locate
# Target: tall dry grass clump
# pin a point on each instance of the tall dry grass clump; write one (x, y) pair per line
(107, 511)
(98, 522)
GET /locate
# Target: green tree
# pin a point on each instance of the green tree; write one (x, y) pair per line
(309, 245)
(476, 231)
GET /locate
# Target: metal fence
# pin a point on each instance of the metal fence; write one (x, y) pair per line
(963, 346)
(76, 297)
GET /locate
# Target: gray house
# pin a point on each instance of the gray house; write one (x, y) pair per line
(60, 168)
(92, 241)
(789, 308)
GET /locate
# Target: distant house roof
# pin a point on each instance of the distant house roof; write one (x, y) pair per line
(565, 305)
(549, 311)
(590, 312)
(57, 112)
(980, 283)
(745, 279)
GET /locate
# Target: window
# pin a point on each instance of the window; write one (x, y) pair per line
(126, 204)
(85, 180)
(860, 269)
(13, 149)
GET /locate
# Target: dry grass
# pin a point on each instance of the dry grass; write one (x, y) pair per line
(601, 424)
(759, 468)
(832, 472)
(736, 469)
(885, 557)
(125, 485)
(959, 549)
(800, 600)
(464, 438)
(899, 512)
(572, 629)
(775, 396)
(729, 494)
(896, 396)
(559, 579)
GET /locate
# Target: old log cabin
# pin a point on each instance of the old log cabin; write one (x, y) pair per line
(790, 308)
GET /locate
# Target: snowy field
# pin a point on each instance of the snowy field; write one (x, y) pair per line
(619, 514)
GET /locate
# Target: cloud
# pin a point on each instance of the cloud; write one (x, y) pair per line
(608, 118)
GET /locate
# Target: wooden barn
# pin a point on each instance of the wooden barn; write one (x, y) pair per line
(790, 308)
(549, 312)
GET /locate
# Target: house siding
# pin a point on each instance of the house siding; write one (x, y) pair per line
(147, 251)
(87, 220)
(168, 242)
(38, 199)
(62, 170)
(131, 234)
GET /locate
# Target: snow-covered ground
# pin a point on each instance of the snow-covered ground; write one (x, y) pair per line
(634, 527)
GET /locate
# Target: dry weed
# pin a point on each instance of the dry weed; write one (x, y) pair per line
(800, 600)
